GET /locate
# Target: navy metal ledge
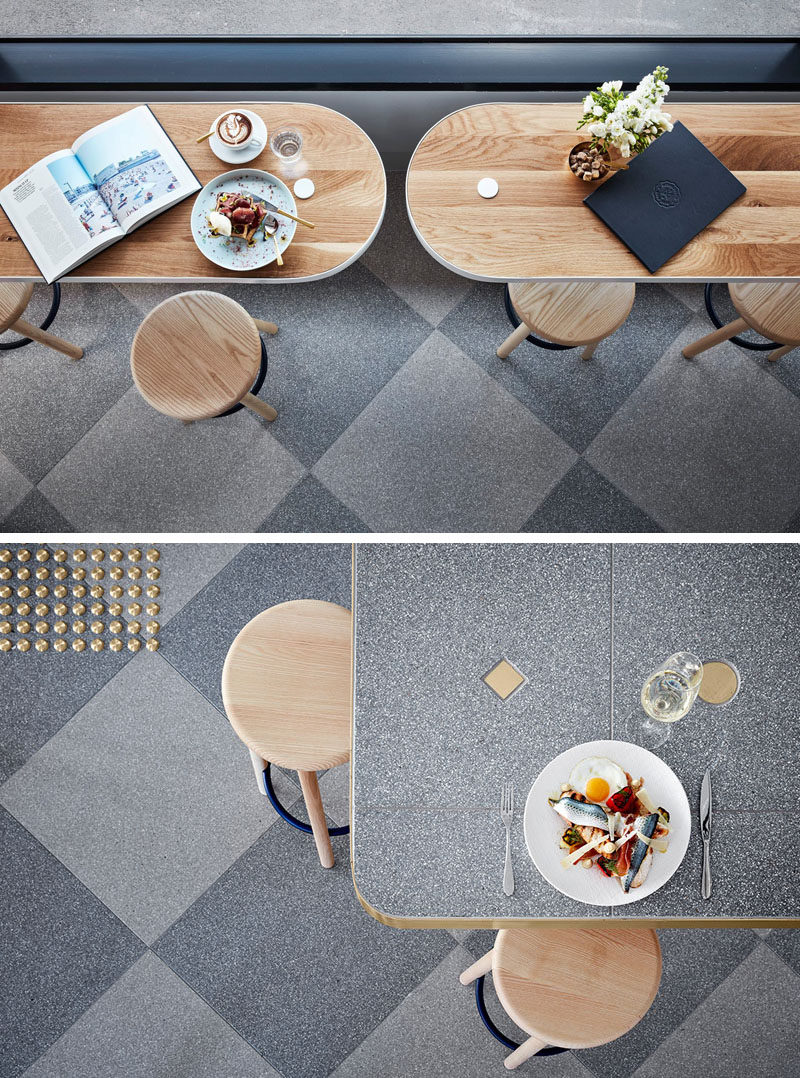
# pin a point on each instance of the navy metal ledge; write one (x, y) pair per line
(332, 63)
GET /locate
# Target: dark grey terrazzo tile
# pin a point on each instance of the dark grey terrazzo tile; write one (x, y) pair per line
(573, 396)
(585, 501)
(310, 507)
(35, 514)
(14, 487)
(61, 947)
(283, 951)
(196, 641)
(786, 941)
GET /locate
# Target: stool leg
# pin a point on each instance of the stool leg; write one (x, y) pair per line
(266, 411)
(43, 337)
(477, 969)
(513, 341)
(527, 1049)
(588, 351)
(787, 348)
(717, 337)
(258, 767)
(316, 815)
(266, 327)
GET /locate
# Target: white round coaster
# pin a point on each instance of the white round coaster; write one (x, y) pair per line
(304, 188)
(487, 187)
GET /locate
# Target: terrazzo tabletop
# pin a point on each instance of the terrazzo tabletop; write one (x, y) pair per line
(585, 624)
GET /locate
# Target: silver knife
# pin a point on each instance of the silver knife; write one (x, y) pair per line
(705, 831)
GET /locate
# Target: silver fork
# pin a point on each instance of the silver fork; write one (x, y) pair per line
(507, 816)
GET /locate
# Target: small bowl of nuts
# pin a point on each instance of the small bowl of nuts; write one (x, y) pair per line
(588, 163)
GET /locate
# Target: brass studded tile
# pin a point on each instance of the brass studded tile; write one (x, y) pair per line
(504, 679)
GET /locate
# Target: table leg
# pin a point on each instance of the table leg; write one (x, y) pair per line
(316, 816)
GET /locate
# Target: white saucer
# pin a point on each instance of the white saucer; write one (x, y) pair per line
(235, 155)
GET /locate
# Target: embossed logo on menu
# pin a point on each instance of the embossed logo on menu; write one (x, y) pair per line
(666, 194)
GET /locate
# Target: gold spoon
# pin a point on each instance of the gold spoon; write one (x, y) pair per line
(274, 237)
(208, 134)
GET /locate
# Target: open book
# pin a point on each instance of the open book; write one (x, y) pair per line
(74, 203)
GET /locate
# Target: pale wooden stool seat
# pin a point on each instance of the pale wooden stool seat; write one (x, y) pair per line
(773, 310)
(286, 690)
(197, 354)
(14, 298)
(549, 980)
(572, 314)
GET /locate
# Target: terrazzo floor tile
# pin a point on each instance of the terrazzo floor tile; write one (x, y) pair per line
(339, 341)
(785, 942)
(310, 507)
(187, 568)
(585, 501)
(139, 469)
(61, 948)
(50, 401)
(197, 640)
(691, 447)
(150, 1023)
(747, 1024)
(397, 257)
(696, 961)
(444, 448)
(145, 813)
(574, 397)
(436, 1030)
(335, 788)
(34, 514)
(14, 487)
(284, 952)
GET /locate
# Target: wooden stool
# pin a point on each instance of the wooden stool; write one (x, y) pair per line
(197, 355)
(773, 310)
(14, 298)
(572, 314)
(549, 981)
(286, 689)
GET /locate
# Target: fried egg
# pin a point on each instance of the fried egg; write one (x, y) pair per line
(597, 777)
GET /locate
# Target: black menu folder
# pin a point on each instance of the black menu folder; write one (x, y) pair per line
(668, 194)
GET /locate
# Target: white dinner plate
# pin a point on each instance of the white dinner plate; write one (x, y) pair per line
(544, 827)
(228, 251)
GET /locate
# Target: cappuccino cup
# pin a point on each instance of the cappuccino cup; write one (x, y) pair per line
(235, 129)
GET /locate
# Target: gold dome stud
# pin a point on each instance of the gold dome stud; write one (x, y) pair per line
(42, 554)
(6, 609)
(116, 572)
(42, 609)
(78, 644)
(60, 627)
(115, 626)
(24, 609)
(23, 627)
(23, 645)
(97, 645)
(24, 573)
(42, 645)
(60, 554)
(97, 627)
(41, 628)
(23, 555)
(116, 644)
(98, 609)
(23, 591)
(97, 591)
(115, 609)
(5, 627)
(116, 591)
(60, 610)
(152, 645)
(5, 591)
(79, 554)
(98, 572)
(79, 591)
(60, 645)
(153, 554)
(153, 573)
(5, 573)
(60, 591)
(6, 644)
(5, 555)
(152, 609)
(79, 608)
(153, 627)
(135, 590)
(134, 627)
(79, 627)
(61, 572)
(134, 644)
(134, 554)
(135, 609)
(98, 554)
(134, 572)
(42, 573)
(42, 591)
(115, 554)
(79, 573)
(153, 591)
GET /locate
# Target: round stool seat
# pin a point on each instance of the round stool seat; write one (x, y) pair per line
(575, 312)
(286, 684)
(14, 298)
(773, 310)
(196, 355)
(553, 981)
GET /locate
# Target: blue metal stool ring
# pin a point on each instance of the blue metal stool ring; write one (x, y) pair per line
(752, 346)
(514, 319)
(269, 789)
(550, 1050)
(6, 346)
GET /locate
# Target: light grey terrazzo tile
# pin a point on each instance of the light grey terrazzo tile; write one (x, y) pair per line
(444, 448)
(187, 568)
(14, 487)
(150, 1023)
(279, 943)
(197, 640)
(691, 446)
(310, 507)
(34, 514)
(335, 788)
(146, 795)
(139, 469)
(585, 501)
(786, 943)
(574, 397)
(747, 1023)
(61, 948)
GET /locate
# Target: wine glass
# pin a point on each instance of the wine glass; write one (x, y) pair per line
(668, 695)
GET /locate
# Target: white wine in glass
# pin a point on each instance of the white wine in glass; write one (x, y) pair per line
(668, 694)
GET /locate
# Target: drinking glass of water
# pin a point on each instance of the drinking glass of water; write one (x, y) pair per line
(286, 144)
(668, 695)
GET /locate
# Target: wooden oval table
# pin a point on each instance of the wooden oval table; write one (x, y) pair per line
(347, 207)
(536, 226)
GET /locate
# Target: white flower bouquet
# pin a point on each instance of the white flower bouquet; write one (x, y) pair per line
(628, 122)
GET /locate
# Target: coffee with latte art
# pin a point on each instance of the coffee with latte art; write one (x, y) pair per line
(234, 129)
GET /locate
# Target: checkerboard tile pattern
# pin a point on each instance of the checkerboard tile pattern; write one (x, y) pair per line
(158, 919)
(394, 414)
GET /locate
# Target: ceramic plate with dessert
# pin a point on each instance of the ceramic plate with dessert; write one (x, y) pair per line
(235, 219)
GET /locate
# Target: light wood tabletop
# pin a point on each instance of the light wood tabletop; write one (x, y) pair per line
(536, 226)
(346, 208)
